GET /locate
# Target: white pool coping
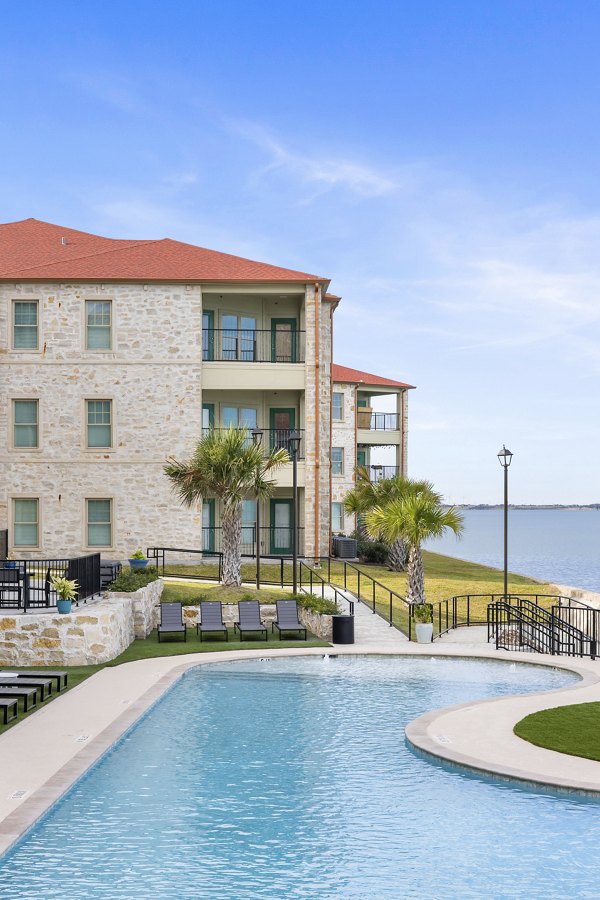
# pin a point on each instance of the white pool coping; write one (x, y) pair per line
(42, 756)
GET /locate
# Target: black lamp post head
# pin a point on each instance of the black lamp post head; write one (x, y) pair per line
(294, 441)
(505, 457)
(257, 434)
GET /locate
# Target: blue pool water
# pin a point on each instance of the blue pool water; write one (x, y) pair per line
(291, 779)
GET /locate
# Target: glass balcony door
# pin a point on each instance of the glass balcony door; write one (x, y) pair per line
(283, 340)
(238, 337)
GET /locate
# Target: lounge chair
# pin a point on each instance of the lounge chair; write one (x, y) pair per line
(211, 615)
(6, 706)
(171, 620)
(60, 678)
(28, 694)
(44, 684)
(249, 619)
(287, 618)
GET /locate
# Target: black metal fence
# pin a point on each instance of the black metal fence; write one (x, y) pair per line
(378, 473)
(273, 439)
(26, 584)
(253, 345)
(526, 626)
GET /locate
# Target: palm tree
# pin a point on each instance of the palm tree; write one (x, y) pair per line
(226, 465)
(416, 518)
(367, 495)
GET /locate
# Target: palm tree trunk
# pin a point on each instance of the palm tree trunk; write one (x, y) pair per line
(416, 576)
(398, 556)
(231, 522)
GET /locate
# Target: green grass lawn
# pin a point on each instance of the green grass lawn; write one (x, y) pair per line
(191, 594)
(568, 729)
(445, 577)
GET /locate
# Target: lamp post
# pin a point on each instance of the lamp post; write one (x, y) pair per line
(257, 434)
(505, 459)
(293, 444)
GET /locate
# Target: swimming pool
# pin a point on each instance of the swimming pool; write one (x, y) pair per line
(291, 778)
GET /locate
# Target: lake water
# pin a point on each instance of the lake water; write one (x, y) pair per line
(559, 545)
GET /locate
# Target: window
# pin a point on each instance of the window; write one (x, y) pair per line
(25, 324)
(337, 407)
(337, 460)
(25, 423)
(208, 335)
(238, 417)
(26, 522)
(98, 322)
(337, 517)
(238, 338)
(99, 523)
(248, 524)
(99, 423)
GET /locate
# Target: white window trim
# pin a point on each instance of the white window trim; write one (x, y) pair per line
(97, 548)
(343, 460)
(100, 350)
(341, 526)
(342, 395)
(22, 548)
(11, 319)
(11, 428)
(113, 437)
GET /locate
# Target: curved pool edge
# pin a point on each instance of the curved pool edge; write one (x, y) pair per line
(478, 737)
(41, 756)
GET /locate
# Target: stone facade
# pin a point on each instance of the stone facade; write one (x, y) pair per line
(86, 636)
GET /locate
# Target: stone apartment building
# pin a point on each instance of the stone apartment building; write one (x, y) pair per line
(116, 354)
(362, 436)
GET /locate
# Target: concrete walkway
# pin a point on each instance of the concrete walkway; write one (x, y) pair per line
(369, 628)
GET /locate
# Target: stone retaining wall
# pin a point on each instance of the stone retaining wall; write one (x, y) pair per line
(86, 636)
(591, 598)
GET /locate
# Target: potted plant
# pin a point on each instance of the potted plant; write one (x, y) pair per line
(422, 614)
(137, 560)
(66, 592)
(10, 562)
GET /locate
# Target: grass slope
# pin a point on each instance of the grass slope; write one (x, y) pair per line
(568, 729)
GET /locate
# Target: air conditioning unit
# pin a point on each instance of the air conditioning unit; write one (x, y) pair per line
(344, 548)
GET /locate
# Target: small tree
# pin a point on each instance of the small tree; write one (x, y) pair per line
(228, 466)
(416, 518)
(368, 495)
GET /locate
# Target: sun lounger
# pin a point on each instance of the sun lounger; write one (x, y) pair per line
(249, 619)
(287, 617)
(211, 614)
(44, 684)
(171, 620)
(7, 706)
(60, 678)
(29, 695)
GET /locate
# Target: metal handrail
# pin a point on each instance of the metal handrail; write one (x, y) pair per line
(320, 580)
(252, 345)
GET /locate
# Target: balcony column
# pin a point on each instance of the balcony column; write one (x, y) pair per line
(401, 449)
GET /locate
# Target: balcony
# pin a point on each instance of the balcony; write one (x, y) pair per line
(379, 473)
(378, 428)
(249, 345)
(272, 439)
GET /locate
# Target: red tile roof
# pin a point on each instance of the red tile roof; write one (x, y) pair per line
(31, 250)
(355, 376)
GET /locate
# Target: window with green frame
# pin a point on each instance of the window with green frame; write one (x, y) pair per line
(99, 522)
(98, 315)
(26, 515)
(25, 424)
(25, 324)
(99, 423)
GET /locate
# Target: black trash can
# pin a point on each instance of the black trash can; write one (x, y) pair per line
(343, 629)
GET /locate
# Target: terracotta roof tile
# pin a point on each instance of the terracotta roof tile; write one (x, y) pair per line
(35, 250)
(355, 376)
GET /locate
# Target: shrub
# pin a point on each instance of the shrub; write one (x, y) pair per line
(130, 580)
(370, 551)
(422, 613)
(316, 604)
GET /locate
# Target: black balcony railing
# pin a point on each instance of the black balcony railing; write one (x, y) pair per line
(272, 439)
(379, 473)
(252, 345)
(385, 422)
(274, 541)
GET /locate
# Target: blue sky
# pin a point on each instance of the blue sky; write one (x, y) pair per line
(439, 161)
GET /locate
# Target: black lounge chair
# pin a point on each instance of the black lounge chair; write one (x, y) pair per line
(171, 620)
(6, 706)
(287, 618)
(249, 619)
(28, 694)
(61, 678)
(211, 614)
(44, 684)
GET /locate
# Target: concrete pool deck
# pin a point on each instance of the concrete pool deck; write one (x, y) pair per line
(42, 756)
